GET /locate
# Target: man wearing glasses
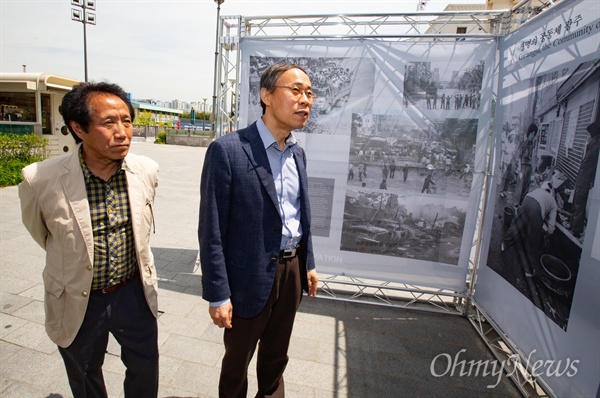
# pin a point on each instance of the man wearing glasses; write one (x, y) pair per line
(254, 232)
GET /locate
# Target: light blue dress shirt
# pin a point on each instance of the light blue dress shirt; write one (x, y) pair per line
(287, 184)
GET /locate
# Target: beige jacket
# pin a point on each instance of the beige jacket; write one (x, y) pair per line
(56, 212)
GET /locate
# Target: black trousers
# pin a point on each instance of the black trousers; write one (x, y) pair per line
(273, 328)
(126, 315)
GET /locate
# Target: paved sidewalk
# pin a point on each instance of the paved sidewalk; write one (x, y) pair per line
(338, 349)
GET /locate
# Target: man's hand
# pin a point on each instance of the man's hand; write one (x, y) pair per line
(221, 316)
(313, 282)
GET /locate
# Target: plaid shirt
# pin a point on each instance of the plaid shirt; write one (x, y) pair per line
(114, 248)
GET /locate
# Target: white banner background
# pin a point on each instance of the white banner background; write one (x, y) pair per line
(377, 104)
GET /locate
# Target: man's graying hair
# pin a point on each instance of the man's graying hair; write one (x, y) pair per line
(269, 78)
(75, 106)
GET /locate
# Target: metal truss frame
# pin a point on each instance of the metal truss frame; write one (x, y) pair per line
(515, 362)
(389, 294)
(389, 26)
(421, 26)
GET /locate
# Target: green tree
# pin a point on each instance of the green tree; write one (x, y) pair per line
(145, 118)
(18, 151)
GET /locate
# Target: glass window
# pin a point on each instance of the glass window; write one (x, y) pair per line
(17, 107)
(46, 115)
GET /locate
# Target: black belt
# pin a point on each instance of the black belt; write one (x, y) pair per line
(114, 288)
(289, 253)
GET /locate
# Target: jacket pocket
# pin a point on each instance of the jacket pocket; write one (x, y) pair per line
(54, 302)
(148, 222)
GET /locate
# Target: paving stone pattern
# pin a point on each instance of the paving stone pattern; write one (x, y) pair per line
(338, 349)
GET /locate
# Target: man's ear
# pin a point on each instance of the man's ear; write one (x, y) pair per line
(77, 129)
(265, 96)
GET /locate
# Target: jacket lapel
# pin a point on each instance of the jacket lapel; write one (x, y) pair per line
(255, 150)
(74, 187)
(301, 166)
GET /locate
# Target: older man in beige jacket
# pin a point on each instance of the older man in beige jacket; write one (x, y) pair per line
(91, 211)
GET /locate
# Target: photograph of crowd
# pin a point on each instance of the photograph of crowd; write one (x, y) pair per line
(408, 186)
(550, 142)
(394, 153)
(338, 83)
(437, 88)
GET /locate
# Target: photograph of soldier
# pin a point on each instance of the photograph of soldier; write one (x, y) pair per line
(428, 183)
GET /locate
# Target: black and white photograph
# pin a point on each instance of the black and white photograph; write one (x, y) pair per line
(364, 137)
(412, 157)
(546, 169)
(377, 222)
(441, 90)
(340, 84)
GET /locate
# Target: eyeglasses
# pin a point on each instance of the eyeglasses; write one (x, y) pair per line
(297, 92)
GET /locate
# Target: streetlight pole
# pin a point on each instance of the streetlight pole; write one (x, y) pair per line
(204, 113)
(216, 77)
(85, 18)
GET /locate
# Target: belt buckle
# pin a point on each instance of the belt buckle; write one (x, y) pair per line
(289, 253)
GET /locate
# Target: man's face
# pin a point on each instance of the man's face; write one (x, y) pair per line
(289, 111)
(110, 130)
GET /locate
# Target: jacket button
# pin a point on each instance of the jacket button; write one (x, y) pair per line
(273, 259)
(84, 294)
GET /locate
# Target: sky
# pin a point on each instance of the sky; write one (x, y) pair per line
(162, 50)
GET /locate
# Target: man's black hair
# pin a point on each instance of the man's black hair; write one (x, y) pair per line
(75, 105)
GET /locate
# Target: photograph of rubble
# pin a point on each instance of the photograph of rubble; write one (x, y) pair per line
(429, 229)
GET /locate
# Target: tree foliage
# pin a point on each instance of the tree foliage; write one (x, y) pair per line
(161, 138)
(145, 118)
(18, 151)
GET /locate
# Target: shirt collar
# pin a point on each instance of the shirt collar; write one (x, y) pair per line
(87, 174)
(268, 139)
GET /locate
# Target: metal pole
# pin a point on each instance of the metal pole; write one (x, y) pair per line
(85, 49)
(216, 76)
(85, 18)
(204, 114)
